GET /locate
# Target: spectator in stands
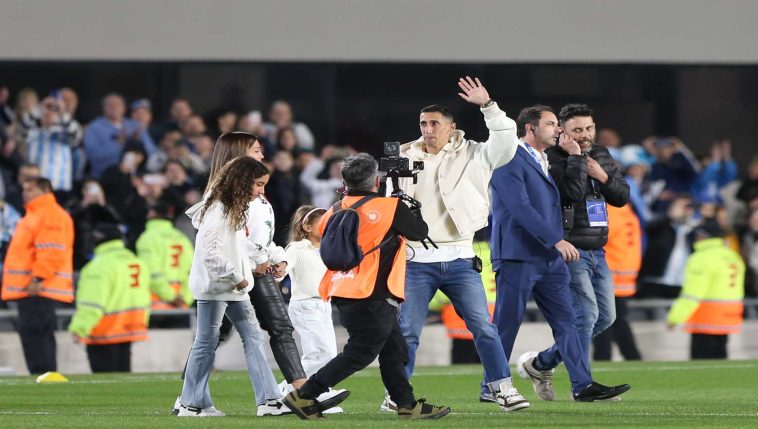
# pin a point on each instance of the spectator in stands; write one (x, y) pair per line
(636, 167)
(9, 217)
(88, 211)
(611, 140)
(120, 183)
(203, 146)
(710, 306)
(181, 184)
(192, 126)
(70, 100)
(10, 161)
(667, 250)
(280, 116)
(38, 272)
(141, 111)
(286, 139)
(168, 255)
(112, 303)
(717, 170)
(749, 188)
(285, 192)
(105, 137)
(6, 113)
(50, 141)
(13, 192)
(252, 123)
(322, 177)
(750, 253)
(226, 121)
(26, 103)
(674, 170)
(157, 160)
(180, 110)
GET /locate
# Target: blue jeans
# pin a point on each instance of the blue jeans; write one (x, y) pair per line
(593, 301)
(458, 280)
(195, 392)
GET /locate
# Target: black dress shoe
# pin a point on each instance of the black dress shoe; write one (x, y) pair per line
(598, 392)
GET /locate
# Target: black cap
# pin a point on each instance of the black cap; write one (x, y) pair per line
(106, 232)
(709, 228)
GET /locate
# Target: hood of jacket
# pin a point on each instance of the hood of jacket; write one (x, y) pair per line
(194, 213)
(415, 149)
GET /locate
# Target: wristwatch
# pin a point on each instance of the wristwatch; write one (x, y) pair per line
(489, 103)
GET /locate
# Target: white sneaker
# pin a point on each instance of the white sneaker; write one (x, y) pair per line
(542, 381)
(388, 406)
(325, 399)
(509, 398)
(177, 404)
(285, 388)
(272, 407)
(185, 411)
(333, 410)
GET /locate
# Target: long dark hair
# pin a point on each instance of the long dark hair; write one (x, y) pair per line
(231, 187)
(228, 147)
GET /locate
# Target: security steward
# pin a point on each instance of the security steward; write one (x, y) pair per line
(38, 272)
(112, 302)
(710, 304)
(368, 296)
(168, 254)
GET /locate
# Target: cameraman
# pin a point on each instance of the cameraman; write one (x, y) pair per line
(368, 296)
(453, 191)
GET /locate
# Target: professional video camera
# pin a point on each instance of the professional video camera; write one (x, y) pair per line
(396, 167)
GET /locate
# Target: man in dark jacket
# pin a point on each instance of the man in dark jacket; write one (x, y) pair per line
(587, 178)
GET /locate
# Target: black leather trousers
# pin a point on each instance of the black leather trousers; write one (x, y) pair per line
(273, 317)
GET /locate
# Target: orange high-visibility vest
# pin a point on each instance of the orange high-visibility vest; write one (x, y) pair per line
(716, 317)
(159, 304)
(376, 218)
(456, 327)
(623, 252)
(42, 247)
(124, 326)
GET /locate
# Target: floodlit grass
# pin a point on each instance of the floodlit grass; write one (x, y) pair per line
(664, 394)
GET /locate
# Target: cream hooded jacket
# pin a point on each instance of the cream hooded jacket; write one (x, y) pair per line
(464, 173)
(221, 260)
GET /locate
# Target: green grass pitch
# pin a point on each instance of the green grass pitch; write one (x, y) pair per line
(664, 394)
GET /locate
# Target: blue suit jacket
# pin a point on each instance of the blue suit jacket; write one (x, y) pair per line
(526, 211)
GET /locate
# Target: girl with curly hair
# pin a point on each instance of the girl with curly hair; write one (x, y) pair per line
(220, 278)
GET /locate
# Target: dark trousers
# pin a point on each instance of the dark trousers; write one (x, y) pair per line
(548, 283)
(620, 332)
(36, 327)
(707, 346)
(373, 330)
(110, 357)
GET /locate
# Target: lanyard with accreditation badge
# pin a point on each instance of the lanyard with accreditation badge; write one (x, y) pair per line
(597, 213)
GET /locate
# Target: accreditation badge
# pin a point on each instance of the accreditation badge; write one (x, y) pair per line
(597, 212)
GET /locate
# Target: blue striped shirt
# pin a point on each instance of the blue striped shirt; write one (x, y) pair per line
(50, 149)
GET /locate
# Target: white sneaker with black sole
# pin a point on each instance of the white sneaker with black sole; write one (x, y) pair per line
(177, 404)
(272, 407)
(509, 399)
(542, 381)
(387, 405)
(328, 397)
(185, 411)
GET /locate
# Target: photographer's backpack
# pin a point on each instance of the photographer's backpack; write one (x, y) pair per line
(339, 243)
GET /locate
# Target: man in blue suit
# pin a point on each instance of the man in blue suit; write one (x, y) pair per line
(529, 253)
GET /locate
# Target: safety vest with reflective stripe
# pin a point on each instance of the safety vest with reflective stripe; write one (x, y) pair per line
(168, 254)
(711, 297)
(113, 297)
(623, 252)
(41, 247)
(376, 218)
(456, 327)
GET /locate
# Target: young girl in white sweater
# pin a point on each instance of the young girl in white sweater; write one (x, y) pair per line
(220, 278)
(311, 316)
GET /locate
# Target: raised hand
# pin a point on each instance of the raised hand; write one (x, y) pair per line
(473, 91)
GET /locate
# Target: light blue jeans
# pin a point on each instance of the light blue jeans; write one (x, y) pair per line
(458, 280)
(594, 305)
(195, 392)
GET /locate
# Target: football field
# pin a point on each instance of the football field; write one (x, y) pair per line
(664, 394)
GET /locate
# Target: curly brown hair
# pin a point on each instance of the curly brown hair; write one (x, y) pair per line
(232, 188)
